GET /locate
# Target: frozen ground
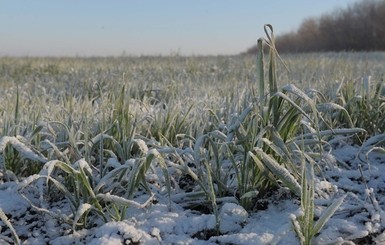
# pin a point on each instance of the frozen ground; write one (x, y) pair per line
(359, 220)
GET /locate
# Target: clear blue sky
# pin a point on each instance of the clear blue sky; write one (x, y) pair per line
(147, 27)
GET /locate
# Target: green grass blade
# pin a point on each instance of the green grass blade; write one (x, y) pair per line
(329, 107)
(17, 106)
(327, 214)
(163, 166)
(261, 72)
(109, 178)
(285, 97)
(65, 191)
(123, 201)
(337, 131)
(6, 221)
(79, 213)
(297, 228)
(281, 172)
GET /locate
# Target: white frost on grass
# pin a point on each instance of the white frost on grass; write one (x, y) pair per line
(142, 145)
(21, 148)
(82, 164)
(156, 224)
(113, 162)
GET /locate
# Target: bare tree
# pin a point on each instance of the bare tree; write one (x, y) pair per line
(359, 27)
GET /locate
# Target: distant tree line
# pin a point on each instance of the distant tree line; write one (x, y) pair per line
(360, 27)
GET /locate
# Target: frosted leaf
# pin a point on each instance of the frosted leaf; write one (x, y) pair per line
(81, 210)
(21, 148)
(142, 145)
(82, 164)
(113, 162)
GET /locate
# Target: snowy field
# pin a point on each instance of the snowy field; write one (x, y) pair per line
(183, 150)
(360, 219)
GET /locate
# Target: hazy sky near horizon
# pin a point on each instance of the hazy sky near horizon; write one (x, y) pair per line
(147, 27)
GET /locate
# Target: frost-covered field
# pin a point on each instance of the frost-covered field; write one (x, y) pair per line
(193, 150)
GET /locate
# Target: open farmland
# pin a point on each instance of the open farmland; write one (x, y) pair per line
(193, 150)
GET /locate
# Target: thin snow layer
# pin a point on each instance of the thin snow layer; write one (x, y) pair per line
(359, 220)
(271, 226)
(232, 216)
(157, 225)
(12, 203)
(111, 233)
